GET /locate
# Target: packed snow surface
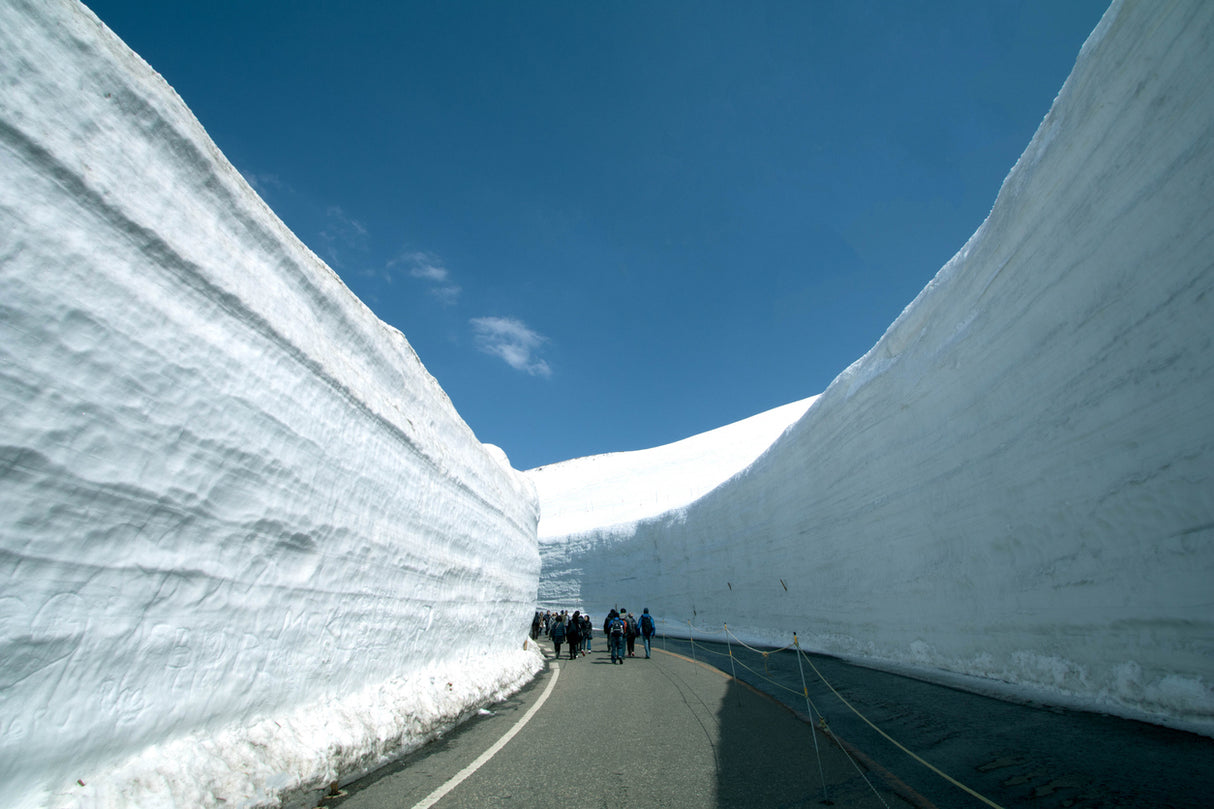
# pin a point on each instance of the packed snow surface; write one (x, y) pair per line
(247, 545)
(623, 487)
(587, 497)
(1016, 484)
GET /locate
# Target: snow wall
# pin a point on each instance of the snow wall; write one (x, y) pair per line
(1015, 486)
(621, 489)
(247, 545)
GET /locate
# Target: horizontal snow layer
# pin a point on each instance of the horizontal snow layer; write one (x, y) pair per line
(234, 504)
(1017, 482)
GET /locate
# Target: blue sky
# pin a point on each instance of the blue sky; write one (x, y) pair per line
(606, 226)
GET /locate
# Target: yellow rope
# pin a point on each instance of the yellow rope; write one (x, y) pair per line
(805, 693)
(894, 742)
(756, 651)
(781, 686)
(703, 648)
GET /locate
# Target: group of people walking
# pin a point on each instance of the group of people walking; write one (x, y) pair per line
(575, 632)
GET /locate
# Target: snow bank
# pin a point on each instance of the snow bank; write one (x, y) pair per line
(1017, 482)
(248, 546)
(584, 496)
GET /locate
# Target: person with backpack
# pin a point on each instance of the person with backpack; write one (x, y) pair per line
(616, 630)
(573, 634)
(630, 633)
(558, 635)
(648, 630)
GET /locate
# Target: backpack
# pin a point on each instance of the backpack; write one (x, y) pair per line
(647, 624)
(617, 628)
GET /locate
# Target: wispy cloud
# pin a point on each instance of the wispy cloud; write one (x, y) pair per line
(264, 182)
(341, 234)
(429, 268)
(512, 341)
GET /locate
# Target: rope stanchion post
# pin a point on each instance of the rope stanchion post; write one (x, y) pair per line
(692, 641)
(733, 672)
(810, 709)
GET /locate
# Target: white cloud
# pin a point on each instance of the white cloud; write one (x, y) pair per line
(512, 341)
(430, 272)
(428, 267)
(447, 294)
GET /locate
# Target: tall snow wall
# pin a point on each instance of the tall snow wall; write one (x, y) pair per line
(621, 489)
(1016, 484)
(247, 545)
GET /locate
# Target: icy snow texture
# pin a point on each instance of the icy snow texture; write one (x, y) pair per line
(247, 545)
(1017, 482)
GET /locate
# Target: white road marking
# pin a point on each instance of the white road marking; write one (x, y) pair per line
(437, 795)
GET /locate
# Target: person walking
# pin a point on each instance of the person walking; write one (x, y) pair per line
(573, 634)
(607, 633)
(630, 634)
(648, 630)
(587, 634)
(617, 629)
(558, 634)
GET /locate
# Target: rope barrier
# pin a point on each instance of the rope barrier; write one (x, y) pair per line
(763, 652)
(812, 709)
(733, 672)
(821, 723)
(809, 706)
(703, 648)
(894, 742)
(775, 684)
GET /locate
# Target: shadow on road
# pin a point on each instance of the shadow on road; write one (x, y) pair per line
(766, 756)
(1019, 756)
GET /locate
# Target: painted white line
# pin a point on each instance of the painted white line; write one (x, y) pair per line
(437, 795)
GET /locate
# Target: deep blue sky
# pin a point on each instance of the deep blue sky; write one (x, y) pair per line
(606, 226)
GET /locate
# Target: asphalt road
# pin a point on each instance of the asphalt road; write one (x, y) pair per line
(660, 732)
(670, 732)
